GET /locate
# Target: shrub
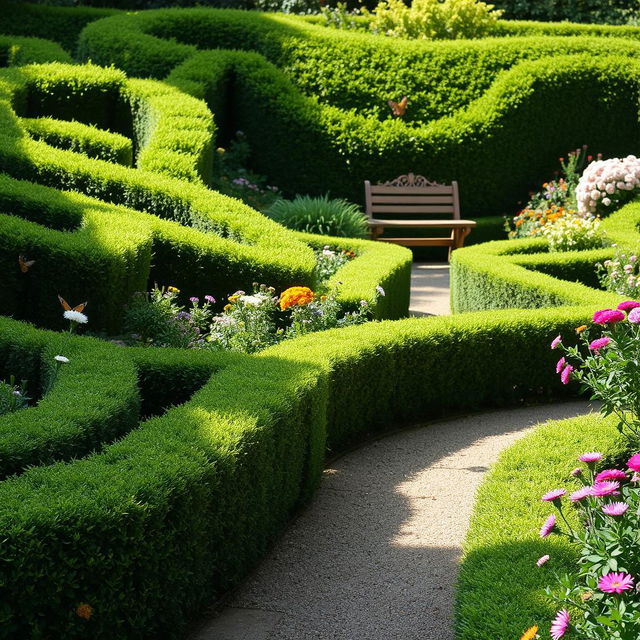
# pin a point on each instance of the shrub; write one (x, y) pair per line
(13, 396)
(323, 216)
(621, 274)
(434, 19)
(574, 234)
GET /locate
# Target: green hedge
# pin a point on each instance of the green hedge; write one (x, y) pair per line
(17, 51)
(480, 98)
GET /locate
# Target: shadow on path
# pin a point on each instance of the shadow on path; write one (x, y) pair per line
(374, 556)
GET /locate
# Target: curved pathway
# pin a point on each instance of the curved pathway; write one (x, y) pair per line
(374, 556)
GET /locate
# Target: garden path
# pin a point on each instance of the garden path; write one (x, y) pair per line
(375, 554)
(429, 289)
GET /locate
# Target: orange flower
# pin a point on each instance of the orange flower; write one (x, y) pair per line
(530, 633)
(295, 296)
(84, 610)
(581, 328)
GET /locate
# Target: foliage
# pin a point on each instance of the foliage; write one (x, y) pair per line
(321, 215)
(593, 11)
(621, 274)
(13, 396)
(340, 17)
(330, 260)
(435, 19)
(574, 234)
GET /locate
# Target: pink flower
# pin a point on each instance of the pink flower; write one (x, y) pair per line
(628, 305)
(210, 299)
(634, 316)
(194, 299)
(615, 508)
(615, 583)
(560, 625)
(608, 316)
(605, 488)
(565, 376)
(561, 364)
(542, 560)
(634, 463)
(576, 472)
(598, 344)
(554, 495)
(610, 474)
(635, 477)
(592, 456)
(580, 494)
(548, 526)
(556, 342)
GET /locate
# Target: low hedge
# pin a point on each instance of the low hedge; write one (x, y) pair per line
(17, 51)
(500, 591)
(308, 146)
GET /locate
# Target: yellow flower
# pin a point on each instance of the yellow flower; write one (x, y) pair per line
(530, 633)
(233, 299)
(295, 296)
(173, 289)
(228, 307)
(581, 328)
(84, 610)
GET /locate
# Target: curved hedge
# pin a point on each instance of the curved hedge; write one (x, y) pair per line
(312, 101)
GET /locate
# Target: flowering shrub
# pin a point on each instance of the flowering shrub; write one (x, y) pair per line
(13, 396)
(620, 275)
(605, 185)
(574, 234)
(603, 600)
(434, 19)
(329, 260)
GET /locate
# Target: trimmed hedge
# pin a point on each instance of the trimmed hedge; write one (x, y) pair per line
(17, 51)
(485, 96)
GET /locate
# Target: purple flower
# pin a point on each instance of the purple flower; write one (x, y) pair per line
(210, 299)
(615, 508)
(580, 494)
(560, 625)
(593, 456)
(565, 376)
(608, 316)
(600, 343)
(543, 560)
(628, 305)
(554, 495)
(610, 474)
(194, 299)
(576, 472)
(548, 526)
(561, 364)
(556, 342)
(615, 583)
(605, 488)
(634, 316)
(634, 463)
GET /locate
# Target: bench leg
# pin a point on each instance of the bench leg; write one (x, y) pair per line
(376, 232)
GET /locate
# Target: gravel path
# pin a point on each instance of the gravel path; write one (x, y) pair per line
(374, 556)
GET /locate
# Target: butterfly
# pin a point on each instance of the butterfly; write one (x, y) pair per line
(67, 307)
(25, 264)
(398, 108)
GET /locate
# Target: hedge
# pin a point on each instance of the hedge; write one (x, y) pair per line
(16, 51)
(481, 91)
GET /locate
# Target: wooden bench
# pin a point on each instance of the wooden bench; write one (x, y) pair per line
(389, 204)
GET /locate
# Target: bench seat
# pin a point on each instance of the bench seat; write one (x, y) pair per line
(417, 224)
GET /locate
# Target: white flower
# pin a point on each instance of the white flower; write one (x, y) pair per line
(328, 252)
(606, 202)
(76, 316)
(380, 290)
(252, 301)
(61, 359)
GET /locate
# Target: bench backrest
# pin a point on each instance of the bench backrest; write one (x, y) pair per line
(409, 195)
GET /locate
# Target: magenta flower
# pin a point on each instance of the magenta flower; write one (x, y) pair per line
(634, 316)
(634, 463)
(565, 376)
(561, 364)
(580, 494)
(560, 625)
(576, 472)
(628, 305)
(553, 496)
(608, 316)
(611, 474)
(548, 526)
(600, 343)
(615, 583)
(615, 508)
(604, 488)
(542, 560)
(592, 456)
(556, 342)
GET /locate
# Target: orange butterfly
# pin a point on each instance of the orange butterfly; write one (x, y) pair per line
(67, 307)
(25, 264)
(398, 108)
